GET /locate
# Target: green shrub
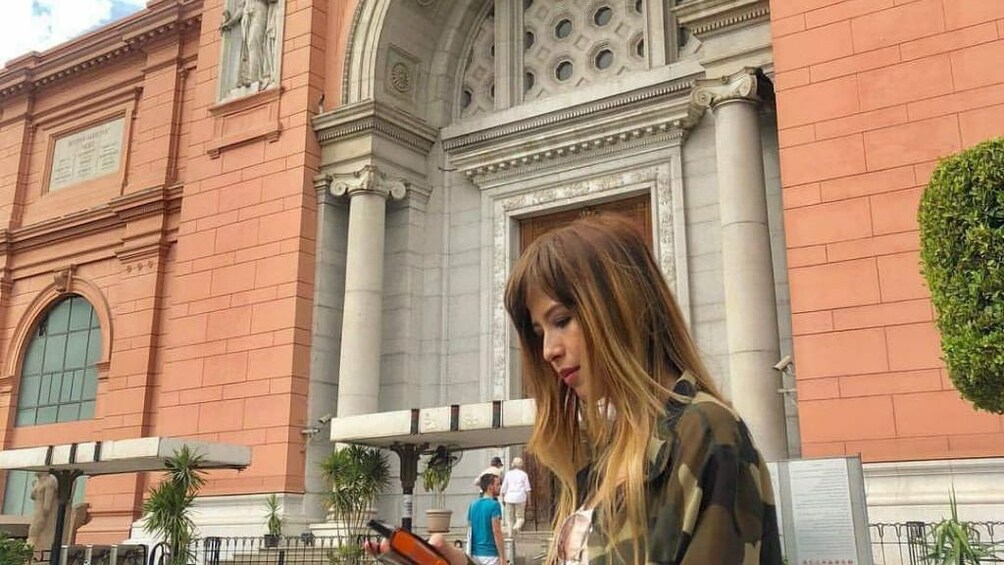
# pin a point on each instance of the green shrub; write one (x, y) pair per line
(14, 551)
(962, 253)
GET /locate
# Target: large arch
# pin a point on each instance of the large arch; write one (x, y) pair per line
(377, 29)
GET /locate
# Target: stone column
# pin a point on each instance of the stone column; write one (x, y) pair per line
(750, 301)
(359, 365)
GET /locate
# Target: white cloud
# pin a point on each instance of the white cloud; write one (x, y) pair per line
(37, 25)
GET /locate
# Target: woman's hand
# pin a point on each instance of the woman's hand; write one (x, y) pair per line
(454, 555)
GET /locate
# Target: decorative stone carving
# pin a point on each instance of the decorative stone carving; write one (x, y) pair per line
(706, 18)
(743, 85)
(477, 94)
(402, 73)
(652, 115)
(400, 77)
(369, 180)
(63, 279)
(599, 45)
(371, 118)
(252, 39)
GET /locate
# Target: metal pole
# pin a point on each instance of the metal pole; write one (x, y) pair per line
(408, 454)
(64, 483)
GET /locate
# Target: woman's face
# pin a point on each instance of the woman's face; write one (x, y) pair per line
(563, 346)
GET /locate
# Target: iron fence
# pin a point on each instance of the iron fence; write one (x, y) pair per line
(290, 550)
(906, 543)
(902, 543)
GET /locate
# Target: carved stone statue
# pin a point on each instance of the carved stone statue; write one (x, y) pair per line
(43, 522)
(253, 23)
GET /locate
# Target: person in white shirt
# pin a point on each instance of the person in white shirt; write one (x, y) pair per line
(494, 469)
(515, 487)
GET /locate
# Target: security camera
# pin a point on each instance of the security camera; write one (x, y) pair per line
(324, 419)
(783, 364)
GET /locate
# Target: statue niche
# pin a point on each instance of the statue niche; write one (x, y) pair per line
(251, 47)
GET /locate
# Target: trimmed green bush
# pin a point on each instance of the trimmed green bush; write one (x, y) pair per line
(962, 253)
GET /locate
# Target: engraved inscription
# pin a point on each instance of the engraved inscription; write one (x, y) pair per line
(87, 154)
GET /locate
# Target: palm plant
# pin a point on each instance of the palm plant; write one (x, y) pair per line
(956, 542)
(167, 508)
(357, 475)
(273, 520)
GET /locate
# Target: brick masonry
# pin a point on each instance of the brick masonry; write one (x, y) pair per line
(870, 94)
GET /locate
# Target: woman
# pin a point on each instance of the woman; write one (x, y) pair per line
(654, 466)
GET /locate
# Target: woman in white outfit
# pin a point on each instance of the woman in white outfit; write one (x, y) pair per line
(515, 487)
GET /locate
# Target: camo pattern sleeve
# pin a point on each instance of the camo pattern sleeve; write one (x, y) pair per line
(710, 498)
(709, 495)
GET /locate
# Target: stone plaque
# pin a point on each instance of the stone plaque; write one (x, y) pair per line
(84, 155)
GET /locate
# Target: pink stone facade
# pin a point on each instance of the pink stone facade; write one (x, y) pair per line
(870, 95)
(197, 255)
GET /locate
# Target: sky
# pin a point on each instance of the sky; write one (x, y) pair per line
(37, 25)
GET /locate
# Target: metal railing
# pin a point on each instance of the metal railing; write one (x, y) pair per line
(906, 543)
(901, 543)
(291, 550)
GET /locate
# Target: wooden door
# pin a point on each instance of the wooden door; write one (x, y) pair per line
(543, 499)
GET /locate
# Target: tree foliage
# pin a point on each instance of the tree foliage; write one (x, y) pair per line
(962, 253)
(14, 551)
(357, 475)
(167, 508)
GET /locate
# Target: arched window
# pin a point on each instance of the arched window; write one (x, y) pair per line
(59, 381)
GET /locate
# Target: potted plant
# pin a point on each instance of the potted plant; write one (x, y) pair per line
(356, 474)
(435, 480)
(956, 542)
(167, 508)
(273, 520)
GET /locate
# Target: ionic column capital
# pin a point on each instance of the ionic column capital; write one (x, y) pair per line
(369, 180)
(742, 86)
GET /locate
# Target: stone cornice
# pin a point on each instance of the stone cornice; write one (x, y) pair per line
(582, 112)
(653, 114)
(37, 70)
(705, 18)
(370, 117)
(94, 220)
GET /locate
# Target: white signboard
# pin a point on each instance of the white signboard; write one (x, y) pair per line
(822, 512)
(87, 154)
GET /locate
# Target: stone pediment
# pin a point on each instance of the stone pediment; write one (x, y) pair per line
(655, 112)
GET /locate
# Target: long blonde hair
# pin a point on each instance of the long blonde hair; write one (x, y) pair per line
(636, 346)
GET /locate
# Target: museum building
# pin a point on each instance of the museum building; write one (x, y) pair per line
(234, 220)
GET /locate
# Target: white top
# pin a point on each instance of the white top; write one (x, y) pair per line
(515, 485)
(497, 471)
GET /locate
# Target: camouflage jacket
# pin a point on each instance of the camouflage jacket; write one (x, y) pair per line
(709, 494)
